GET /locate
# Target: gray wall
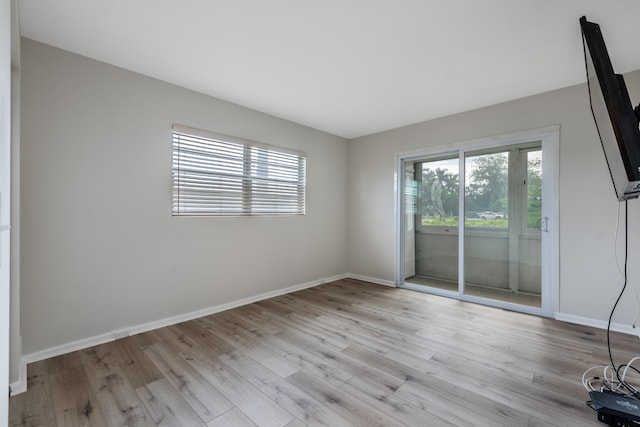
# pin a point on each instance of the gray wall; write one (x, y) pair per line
(589, 280)
(100, 249)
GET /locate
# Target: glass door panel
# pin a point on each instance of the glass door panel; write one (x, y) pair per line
(502, 250)
(486, 241)
(435, 240)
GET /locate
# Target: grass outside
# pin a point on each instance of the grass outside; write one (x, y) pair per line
(468, 222)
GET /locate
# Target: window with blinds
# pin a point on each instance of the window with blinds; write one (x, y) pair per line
(221, 175)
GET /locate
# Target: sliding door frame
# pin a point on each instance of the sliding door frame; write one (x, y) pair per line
(549, 138)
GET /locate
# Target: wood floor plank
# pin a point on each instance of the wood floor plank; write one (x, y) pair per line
(268, 324)
(114, 394)
(62, 363)
(307, 326)
(175, 333)
(320, 317)
(135, 365)
(346, 353)
(73, 399)
(444, 394)
(201, 333)
(502, 362)
(392, 405)
(403, 358)
(207, 401)
(34, 407)
(344, 362)
(296, 423)
(119, 403)
(362, 325)
(297, 402)
(234, 418)
(342, 402)
(225, 332)
(258, 407)
(473, 375)
(166, 406)
(383, 340)
(502, 389)
(450, 402)
(341, 307)
(415, 315)
(298, 355)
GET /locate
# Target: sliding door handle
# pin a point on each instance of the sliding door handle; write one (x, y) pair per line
(542, 223)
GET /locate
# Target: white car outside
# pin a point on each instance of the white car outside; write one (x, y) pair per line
(490, 215)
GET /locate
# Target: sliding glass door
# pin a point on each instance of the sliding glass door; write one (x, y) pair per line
(474, 225)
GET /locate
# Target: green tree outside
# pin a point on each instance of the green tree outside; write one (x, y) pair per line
(487, 190)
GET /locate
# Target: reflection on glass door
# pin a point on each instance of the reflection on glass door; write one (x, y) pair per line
(501, 257)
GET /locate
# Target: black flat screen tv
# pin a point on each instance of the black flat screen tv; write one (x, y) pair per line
(615, 118)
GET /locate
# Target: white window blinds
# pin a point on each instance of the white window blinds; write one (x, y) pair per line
(222, 175)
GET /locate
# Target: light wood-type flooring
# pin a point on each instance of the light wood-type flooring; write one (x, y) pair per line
(347, 353)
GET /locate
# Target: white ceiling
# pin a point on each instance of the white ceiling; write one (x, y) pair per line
(348, 67)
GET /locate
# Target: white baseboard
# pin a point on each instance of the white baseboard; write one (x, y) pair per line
(599, 324)
(20, 386)
(138, 329)
(372, 280)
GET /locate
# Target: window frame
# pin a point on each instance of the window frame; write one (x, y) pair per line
(235, 176)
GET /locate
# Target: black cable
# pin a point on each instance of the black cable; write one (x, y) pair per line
(631, 389)
(633, 368)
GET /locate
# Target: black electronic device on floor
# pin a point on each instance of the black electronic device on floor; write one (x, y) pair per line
(616, 410)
